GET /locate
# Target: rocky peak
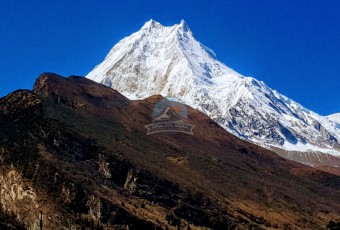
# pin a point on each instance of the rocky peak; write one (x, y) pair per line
(151, 24)
(184, 26)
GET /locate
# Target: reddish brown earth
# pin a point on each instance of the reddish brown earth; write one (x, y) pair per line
(81, 149)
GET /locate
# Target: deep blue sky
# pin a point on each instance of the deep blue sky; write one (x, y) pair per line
(292, 45)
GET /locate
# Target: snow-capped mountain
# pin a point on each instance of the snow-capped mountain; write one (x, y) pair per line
(171, 62)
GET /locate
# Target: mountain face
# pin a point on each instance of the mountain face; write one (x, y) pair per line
(75, 155)
(169, 61)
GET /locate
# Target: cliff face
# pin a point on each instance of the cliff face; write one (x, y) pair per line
(77, 152)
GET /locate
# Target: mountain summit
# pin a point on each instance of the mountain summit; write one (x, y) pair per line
(169, 61)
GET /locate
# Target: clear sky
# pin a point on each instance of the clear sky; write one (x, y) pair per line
(291, 45)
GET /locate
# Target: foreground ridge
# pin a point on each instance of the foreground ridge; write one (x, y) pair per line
(75, 155)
